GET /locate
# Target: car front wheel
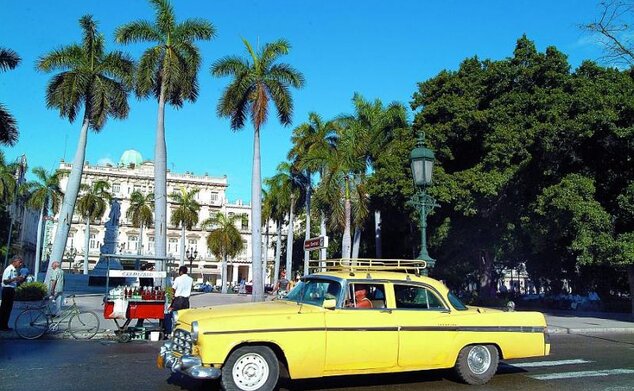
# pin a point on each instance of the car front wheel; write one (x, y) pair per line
(476, 364)
(250, 368)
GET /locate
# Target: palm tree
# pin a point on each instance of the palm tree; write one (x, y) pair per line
(256, 81)
(224, 240)
(45, 194)
(312, 142)
(91, 79)
(8, 126)
(373, 125)
(8, 184)
(168, 71)
(92, 206)
(277, 202)
(140, 213)
(288, 183)
(185, 214)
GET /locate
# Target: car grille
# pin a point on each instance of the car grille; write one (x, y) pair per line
(182, 342)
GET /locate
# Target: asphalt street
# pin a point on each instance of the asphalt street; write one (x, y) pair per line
(578, 362)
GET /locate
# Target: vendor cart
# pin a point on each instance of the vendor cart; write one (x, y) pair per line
(124, 303)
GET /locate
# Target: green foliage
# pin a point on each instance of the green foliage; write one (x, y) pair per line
(534, 163)
(31, 291)
(8, 125)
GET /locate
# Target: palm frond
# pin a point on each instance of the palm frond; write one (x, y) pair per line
(8, 59)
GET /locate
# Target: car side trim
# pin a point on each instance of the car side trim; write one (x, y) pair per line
(480, 329)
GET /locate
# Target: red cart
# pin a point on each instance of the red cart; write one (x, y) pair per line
(122, 305)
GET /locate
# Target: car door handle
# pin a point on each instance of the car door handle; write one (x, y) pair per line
(387, 311)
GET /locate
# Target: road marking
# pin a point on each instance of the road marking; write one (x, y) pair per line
(568, 375)
(549, 363)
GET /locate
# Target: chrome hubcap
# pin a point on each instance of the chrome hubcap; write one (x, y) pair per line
(250, 372)
(479, 359)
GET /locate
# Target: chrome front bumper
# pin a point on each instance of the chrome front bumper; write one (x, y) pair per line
(188, 364)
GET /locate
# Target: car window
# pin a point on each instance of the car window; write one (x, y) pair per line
(417, 297)
(314, 291)
(365, 295)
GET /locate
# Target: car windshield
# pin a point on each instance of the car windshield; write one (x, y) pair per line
(455, 302)
(314, 291)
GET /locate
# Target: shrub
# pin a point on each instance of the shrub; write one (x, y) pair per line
(31, 291)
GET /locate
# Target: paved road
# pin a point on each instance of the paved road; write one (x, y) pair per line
(578, 362)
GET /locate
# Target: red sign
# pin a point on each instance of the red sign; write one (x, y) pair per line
(316, 243)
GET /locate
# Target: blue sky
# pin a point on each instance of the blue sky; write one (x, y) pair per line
(380, 49)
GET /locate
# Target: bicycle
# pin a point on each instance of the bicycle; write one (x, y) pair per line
(32, 323)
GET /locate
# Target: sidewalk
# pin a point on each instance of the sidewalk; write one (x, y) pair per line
(559, 322)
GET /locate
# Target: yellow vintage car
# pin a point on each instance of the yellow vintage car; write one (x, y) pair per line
(352, 317)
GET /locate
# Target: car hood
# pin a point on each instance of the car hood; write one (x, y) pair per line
(268, 308)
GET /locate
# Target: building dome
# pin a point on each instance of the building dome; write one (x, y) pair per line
(130, 157)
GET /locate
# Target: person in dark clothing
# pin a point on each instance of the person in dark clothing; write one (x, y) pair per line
(10, 280)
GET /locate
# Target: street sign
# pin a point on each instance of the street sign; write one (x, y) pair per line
(316, 243)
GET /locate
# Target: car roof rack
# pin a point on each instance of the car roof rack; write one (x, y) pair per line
(353, 265)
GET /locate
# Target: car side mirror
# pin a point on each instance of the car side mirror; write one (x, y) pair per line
(330, 304)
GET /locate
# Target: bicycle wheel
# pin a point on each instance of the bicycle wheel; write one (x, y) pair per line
(31, 324)
(83, 325)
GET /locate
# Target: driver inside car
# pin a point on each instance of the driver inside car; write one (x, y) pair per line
(360, 297)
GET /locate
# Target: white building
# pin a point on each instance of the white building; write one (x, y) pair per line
(133, 174)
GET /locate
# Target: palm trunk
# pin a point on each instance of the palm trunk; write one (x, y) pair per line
(345, 241)
(307, 235)
(181, 261)
(223, 279)
(266, 252)
(160, 184)
(356, 242)
(86, 245)
(289, 243)
(377, 234)
(70, 197)
(278, 249)
(38, 245)
(256, 220)
(139, 249)
(323, 254)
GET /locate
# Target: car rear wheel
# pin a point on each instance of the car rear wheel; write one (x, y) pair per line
(250, 368)
(476, 364)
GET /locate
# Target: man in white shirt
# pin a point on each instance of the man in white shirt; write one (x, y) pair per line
(182, 289)
(10, 280)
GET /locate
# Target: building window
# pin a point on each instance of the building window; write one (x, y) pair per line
(172, 246)
(116, 188)
(70, 243)
(138, 188)
(133, 242)
(93, 241)
(192, 244)
(245, 221)
(214, 197)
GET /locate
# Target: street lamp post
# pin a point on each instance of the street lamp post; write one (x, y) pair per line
(422, 163)
(191, 255)
(70, 256)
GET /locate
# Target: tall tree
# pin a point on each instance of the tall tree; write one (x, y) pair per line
(274, 207)
(185, 215)
(614, 29)
(8, 126)
(140, 213)
(224, 241)
(45, 193)
(168, 71)
(257, 80)
(375, 124)
(92, 79)
(8, 184)
(92, 206)
(311, 143)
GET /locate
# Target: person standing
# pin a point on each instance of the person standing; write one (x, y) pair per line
(10, 280)
(182, 290)
(56, 286)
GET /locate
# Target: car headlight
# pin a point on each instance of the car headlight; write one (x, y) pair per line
(174, 317)
(195, 331)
